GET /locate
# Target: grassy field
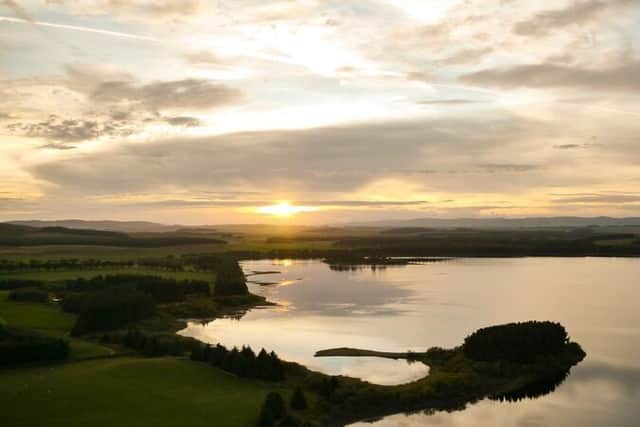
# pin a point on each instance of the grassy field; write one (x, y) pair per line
(47, 319)
(128, 392)
(88, 273)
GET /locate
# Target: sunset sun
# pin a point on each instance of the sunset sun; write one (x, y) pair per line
(284, 209)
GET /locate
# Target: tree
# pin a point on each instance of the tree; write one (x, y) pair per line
(298, 401)
(230, 279)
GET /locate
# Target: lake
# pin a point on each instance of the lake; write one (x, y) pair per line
(415, 307)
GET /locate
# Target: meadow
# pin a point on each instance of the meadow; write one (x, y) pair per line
(128, 391)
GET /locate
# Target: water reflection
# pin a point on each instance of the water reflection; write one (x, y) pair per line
(535, 389)
(415, 307)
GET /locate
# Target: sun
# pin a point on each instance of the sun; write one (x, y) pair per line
(284, 209)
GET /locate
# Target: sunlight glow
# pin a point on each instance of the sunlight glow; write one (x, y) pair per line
(285, 209)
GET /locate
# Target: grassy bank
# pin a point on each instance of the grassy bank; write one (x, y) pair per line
(128, 392)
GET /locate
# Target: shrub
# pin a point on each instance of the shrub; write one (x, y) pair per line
(274, 404)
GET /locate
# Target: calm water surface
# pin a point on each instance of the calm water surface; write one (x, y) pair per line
(419, 306)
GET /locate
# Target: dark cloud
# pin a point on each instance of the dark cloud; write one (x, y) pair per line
(176, 94)
(575, 146)
(619, 78)
(60, 132)
(183, 121)
(466, 56)
(578, 12)
(601, 199)
(122, 92)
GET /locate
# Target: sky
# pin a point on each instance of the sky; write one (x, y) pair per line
(317, 112)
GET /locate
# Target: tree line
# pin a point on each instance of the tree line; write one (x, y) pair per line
(162, 289)
(108, 309)
(243, 363)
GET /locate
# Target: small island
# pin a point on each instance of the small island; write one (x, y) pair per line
(501, 362)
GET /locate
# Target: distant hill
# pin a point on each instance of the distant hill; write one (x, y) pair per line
(121, 226)
(506, 223)
(22, 235)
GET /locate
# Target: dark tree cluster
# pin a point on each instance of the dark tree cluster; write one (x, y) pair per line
(516, 342)
(29, 295)
(109, 309)
(162, 289)
(154, 345)
(230, 279)
(274, 412)
(17, 346)
(19, 283)
(243, 362)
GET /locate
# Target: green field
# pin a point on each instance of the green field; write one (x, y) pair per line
(47, 319)
(128, 392)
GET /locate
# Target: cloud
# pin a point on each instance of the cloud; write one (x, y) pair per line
(183, 121)
(468, 56)
(508, 167)
(205, 203)
(19, 11)
(613, 198)
(171, 8)
(204, 58)
(576, 13)
(64, 131)
(458, 101)
(328, 159)
(623, 77)
(150, 10)
(156, 96)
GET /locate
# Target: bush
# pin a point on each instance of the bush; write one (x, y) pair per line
(298, 401)
(516, 342)
(29, 294)
(274, 404)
